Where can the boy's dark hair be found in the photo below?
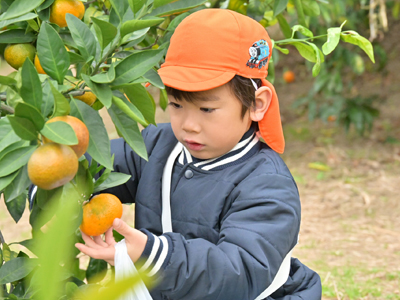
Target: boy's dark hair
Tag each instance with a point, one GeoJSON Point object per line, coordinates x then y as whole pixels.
{"type": "Point", "coordinates": [241, 87]}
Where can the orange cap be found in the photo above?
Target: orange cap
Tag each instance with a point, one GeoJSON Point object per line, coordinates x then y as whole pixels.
{"type": "Point", "coordinates": [210, 47]}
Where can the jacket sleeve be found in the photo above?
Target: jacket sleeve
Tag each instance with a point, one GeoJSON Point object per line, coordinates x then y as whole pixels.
{"type": "Point", "coordinates": [258, 231]}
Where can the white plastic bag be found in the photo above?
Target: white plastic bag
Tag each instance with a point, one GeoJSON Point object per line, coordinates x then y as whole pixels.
{"type": "Point", "coordinates": [124, 267]}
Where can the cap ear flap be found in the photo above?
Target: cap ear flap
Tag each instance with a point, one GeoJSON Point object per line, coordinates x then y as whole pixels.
{"type": "Point", "coordinates": [271, 125]}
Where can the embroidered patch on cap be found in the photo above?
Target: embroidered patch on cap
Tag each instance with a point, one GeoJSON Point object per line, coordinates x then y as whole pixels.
{"type": "Point", "coordinates": [259, 53]}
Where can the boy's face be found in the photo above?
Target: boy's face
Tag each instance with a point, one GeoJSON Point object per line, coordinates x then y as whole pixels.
{"type": "Point", "coordinates": [210, 126]}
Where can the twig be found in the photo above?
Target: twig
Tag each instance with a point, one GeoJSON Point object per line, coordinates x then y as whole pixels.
{"type": "Point", "coordinates": [2, 238]}
{"type": "Point", "coordinates": [89, 2]}
{"type": "Point", "coordinates": [7, 108]}
{"type": "Point", "coordinates": [372, 20]}
{"type": "Point", "coordinates": [77, 93]}
{"type": "Point", "coordinates": [148, 47]}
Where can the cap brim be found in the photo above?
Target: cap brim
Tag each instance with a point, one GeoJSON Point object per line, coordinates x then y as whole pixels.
{"type": "Point", "coordinates": [193, 79]}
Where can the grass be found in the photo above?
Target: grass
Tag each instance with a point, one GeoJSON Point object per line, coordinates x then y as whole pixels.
{"type": "Point", "coordinates": [357, 282]}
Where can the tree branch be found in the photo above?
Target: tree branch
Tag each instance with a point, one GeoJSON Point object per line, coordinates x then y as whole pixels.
{"type": "Point", "coordinates": [7, 108]}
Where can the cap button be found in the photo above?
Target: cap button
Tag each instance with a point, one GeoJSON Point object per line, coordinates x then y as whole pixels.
{"type": "Point", "coordinates": [189, 174]}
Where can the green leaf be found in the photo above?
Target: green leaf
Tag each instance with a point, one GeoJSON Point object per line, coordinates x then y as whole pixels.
{"type": "Point", "coordinates": [136, 5]}
{"type": "Point", "coordinates": [7, 134]}
{"type": "Point", "coordinates": [303, 30]}
{"type": "Point", "coordinates": [16, 207]}
{"type": "Point", "coordinates": [19, 8]}
{"type": "Point", "coordinates": [311, 8]}
{"type": "Point", "coordinates": [82, 36]}
{"type": "Point", "coordinates": [129, 130]}
{"type": "Point", "coordinates": [120, 7]}
{"type": "Point", "coordinates": [102, 91]}
{"type": "Point", "coordinates": [133, 25]}
{"type": "Point", "coordinates": [27, 111]}
{"type": "Point", "coordinates": [14, 146]}
{"type": "Point", "coordinates": [45, 5]}
{"type": "Point", "coordinates": [300, 12]}
{"type": "Point", "coordinates": [99, 143]}
{"type": "Point", "coordinates": [106, 77]}
{"type": "Point", "coordinates": [52, 54]}
{"type": "Point", "coordinates": [96, 270]}
{"type": "Point", "coordinates": [24, 128]}
{"type": "Point", "coordinates": [14, 160]}
{"type": "Point", "coordinates": [18, 186]}
{"type": "Point", "coordinates": [130, 110]}
{"type": "Point", "coordinates": [16, 269]}
{"type": "Point", "coordinates": [75, 58]}
{"type": "Point", "coordinates": [139, 96]}
{"type": "Point", "coordinates": [6, 180]}
{"type": "Point", "coordinates": [279, 6]}
{"type": "Point", "coordinates": [84, 180]}
{"type": "Point", "coordinates": [28, 16]}
{"type": "Point", "coordinates": [8, 81]}
{"type": "Point", "coordinates": [52, 254]}
{"type": "Point", "coordinates": [163, 99]}
{"type": "Point", "coordinates": [105, 31]}
{"type": "Point", "coordinates": [136, 65]}
{"type": "Point", "coordinates": [306, 51]}
{"type": "Point", "coordinates": [283, 50]}
{"type": "Point", "coordinates": [319, 59]}
{"type": "Point", "coordinates": [33, 25]}
{"type": "Point", "coordinates": [176, 7]}
{"type": "Point", "coordinates": [332, 41]}
{"type": "Point", "coordinates": [61, 104]}
{"type": "Point", "coordinates": [354, 38]}
{"type": "Point", "coordinates": [48, 99]}
{"type": "Point", "coordinates": [60, 132]}
{"type": "Point", "coordinates": [155, 79]}
{"type": "Point", "coordinates": [16, 36]}
{"type": "Point", "coordinates": [31, 88]}
{"type": "Point", "coordinates": [113, 179]}
{"type": "Point", "coordinates": [284, 26]}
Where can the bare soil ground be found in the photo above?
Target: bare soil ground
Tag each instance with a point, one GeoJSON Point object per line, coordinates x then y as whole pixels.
{"type": "Point", "coordinates": [350, 214]}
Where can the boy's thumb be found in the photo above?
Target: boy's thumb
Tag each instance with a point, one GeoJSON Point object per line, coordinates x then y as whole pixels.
{"type": "Point", "coordinates": [119, 225]}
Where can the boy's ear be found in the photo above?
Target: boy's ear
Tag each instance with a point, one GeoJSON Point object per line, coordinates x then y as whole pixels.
{"type": "Point", "coordinates": [263, 100]}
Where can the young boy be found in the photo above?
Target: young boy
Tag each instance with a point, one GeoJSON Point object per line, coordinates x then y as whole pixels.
{"type": "Point", "coordinates": [217, 211]}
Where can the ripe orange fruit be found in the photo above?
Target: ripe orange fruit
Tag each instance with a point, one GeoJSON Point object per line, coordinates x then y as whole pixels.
{"type": "Point", "coordinates": [52, 165]}
{"type": "Point", "coordinates": [88, 97]}
{"type": "Point", "coordinates": [38, 66]}
{"type": "Point", "coordinates": [16, 54]}
{"type": "Point", "coordinates": [289, 76]}
{"type": "Point", "coordinates": [60, 8]}
{"type": "Point", "coordinates": [81, 131]}
{"type": "Point", "coordinates": [99, 214]}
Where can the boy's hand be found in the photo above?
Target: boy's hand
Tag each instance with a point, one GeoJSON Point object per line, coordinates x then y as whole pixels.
{"type": "Point", "coordinates": [97, 248]}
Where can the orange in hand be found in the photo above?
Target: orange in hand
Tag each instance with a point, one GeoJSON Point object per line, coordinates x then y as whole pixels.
{"type": "Point", "coordinates": [99, 214]}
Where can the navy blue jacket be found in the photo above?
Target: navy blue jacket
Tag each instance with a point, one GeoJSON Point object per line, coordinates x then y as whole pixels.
{"type": "Point", "coordinates": [233, 224]}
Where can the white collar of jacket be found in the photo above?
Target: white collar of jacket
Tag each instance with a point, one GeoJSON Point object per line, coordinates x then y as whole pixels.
{"type": "Point", "coordinates": [243, 149]}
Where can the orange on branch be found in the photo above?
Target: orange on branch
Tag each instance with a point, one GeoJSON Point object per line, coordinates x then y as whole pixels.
{"type": "Point", "coordinates": [16, 54]}
{"type": "Point", "coordinates": [289, 76]}
{"type": "Point", "coordinates": [60, 8]}
{"type": "Point", "coordinates": [81, 131]}
{"type": "Point", "coordinates": [88, 97]}
{"type": "Point", "coordinates": [52, 165]}
{"type": "Point", "coordinates": [99, 214]}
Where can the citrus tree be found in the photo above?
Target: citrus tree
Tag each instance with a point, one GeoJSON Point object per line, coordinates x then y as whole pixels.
{"type": "Point", "coordinates": [71, 59]}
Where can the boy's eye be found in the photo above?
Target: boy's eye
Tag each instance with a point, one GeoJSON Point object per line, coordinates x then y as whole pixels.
{"type": "Point", "coordinates": [174, 105]}
{"type": "Point", "coordinates": [207, 110]}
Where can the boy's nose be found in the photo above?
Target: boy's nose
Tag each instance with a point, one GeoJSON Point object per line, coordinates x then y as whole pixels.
{"type": "Point", "coordinates": [190, 124]}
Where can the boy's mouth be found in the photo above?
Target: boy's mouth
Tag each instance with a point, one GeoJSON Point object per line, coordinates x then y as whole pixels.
{"type": "Point", "coordinates": [192, 145]}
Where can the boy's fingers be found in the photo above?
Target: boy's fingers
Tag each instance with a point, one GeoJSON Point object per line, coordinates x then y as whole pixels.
{"type": "Point", "coordinates": [89, 242]}
{"type": "Point", "coordinates": [110, 237]}
{"type": "Point", "coordinates": [122, 228]}
{"type": "Point", "coordinates": [106, 254]}
{"type": "Point", "coordinates": [99, 241]}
